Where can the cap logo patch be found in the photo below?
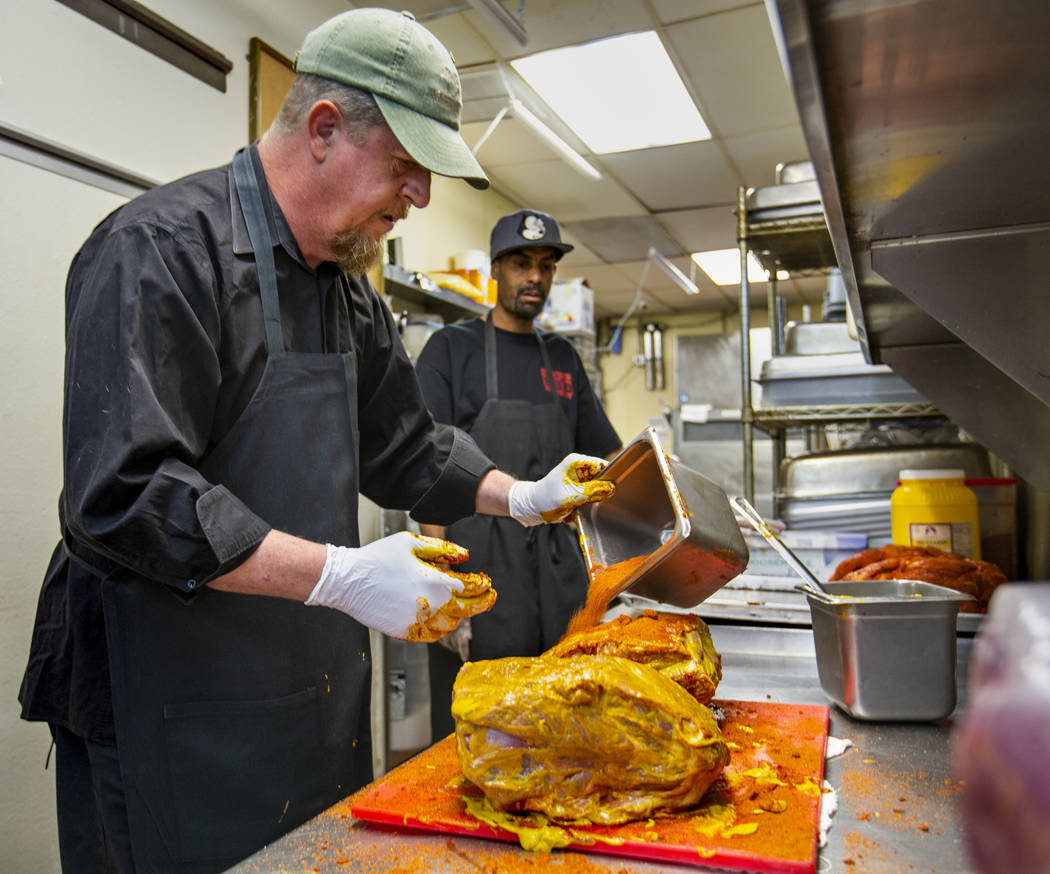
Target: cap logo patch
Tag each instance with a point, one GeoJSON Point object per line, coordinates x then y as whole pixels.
{"type": "Point", "coordinates": [533, 228]}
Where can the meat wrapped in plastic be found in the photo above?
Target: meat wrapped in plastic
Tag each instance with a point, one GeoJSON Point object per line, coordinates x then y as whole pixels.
{"type": "Point", "coordinates": [1001, 741]}
{"type": "Point", "coordinates": [593, 738]}
{"type": "Point", "coordinates": [678, 645]}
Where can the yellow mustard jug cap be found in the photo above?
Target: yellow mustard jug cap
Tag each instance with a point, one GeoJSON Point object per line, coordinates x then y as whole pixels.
{"type": "Point", "coordinates": [942, 473]}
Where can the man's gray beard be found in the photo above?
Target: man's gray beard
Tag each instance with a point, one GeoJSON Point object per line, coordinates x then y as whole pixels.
{"type": "Point", "coordinates": [355, 252]}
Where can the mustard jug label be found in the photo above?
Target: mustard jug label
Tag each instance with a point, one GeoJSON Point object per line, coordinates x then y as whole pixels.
{"type": "Point", "coordinates": [950, 537]}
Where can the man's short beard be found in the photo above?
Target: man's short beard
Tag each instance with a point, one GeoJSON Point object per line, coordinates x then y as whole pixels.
{"type": "Point", "coordinates": [355, 252]}
{"type": "Point", "coordinates": [527, 310]}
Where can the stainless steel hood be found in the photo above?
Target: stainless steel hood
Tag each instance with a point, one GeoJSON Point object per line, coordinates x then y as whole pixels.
{"type": "Point", "coordinates": [928, 122]}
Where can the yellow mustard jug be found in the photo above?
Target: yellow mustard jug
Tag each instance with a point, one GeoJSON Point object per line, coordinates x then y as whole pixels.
{"type": "Point", "coordinates": [936, 508]}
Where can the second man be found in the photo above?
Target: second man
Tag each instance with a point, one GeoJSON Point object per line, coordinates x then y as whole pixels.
{"type": "Point", "coordinates": [524, 396]}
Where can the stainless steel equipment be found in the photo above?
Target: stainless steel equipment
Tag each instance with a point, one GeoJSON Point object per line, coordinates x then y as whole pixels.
{"type": "Point", "coordinates": [809, 582]}
{"type": "Point", "coordinates": [707, 413]}
{"type": "Point", "coordinates": [832, 378]}
{"type": "Point", "coordinates": [849, 489]}
{"type": "Point", "coordinates": [927, 122]}
{"type": "Point", "coordinates": [886, 649]}
{"type": "Point", "coordinates": [679, 520]}
{"type": "Point", "coordinates": [818, 338]}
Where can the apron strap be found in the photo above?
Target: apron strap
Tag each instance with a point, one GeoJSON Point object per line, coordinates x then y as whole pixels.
{"type": "Point", "coordinates": [262, 243]}
{"type": "Point", "coordinates": [491, 374]}
{"type": "Point", "coordinates": [492, 371]}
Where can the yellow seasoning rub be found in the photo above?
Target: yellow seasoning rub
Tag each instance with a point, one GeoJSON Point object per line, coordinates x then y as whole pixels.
{"type": "Point", "coordinates": [808, 787]}
{"type": "Point", "coordinates": [595, 738]}
{"type": "Point", "coordinates": [580, 475]}
{"type": "Point", "coordinates": [476, 596]}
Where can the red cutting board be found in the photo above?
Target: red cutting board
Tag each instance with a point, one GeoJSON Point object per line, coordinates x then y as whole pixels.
{"type": "Point", "coordinates": [773, 782]}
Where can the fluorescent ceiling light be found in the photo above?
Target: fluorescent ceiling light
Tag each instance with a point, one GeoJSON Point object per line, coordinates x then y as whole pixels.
{"type": "Point", "coordinates": [498, 15]}
{"type": "Point", "coordinates": [616, 94]}
{"type": "Point", "coordinates": [523, 114]}
{"type": "Point", "coordinates": [681, 280]}
{"type": "Point", "coordinates": [723, 266]}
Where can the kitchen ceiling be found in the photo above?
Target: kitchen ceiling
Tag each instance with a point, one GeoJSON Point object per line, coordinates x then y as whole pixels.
{"type": "Point", "coordinates": [679, 198]}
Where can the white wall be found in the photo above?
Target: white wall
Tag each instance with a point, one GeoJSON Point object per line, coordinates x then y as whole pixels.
{"type": "Point", "coordinates": [66, 79]}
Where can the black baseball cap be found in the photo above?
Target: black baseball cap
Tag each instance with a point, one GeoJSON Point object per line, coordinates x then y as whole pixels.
{"type": "Point", "coordinates": [526, 229]}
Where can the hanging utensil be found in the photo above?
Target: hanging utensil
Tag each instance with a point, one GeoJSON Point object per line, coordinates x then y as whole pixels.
{"type": "Point", "coordinates": [811, 583]}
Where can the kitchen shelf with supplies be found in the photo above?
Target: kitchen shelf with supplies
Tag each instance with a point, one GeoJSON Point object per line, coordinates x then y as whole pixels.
{"type": "Point", "coordinates": [779, 417]}
{"type": "Point", "coordinates": [416, 288]}
{"type": "Point", "coordinates": [784, 227]}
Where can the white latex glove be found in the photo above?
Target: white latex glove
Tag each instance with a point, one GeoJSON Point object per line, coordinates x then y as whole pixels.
{"type": "Point", "coordinates": [458, 640]}
{"type": "Point", "coordinates": [554, 498]}
{"type": "Point", "coordinates": [393, 586]}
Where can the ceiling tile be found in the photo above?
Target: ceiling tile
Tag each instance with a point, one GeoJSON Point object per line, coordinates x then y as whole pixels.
{"type": "Point", "coordinates": [668, 11]}
{"type": "Point", "coordinates": [679, 198]}
{"type": "Point", "coordinates": [701, 230]}
{"type": "Point", "coordinates": [480, 112]}
{"type": "Point", "coordinates": [734, 67]}
{"type": "Point", "coordinates": [510, 143]}
{"type": "Point", "coordinates": [810, 289]}
{"type": "Point", "coordinates": [600, 276]}
{"type": "Point", "coordinates": [655, 277]}
{"type": "Point", "coordinates": [616, 303]}
{"type": "Point", "coordinates": [756, 155]}
{"type": "Point", "coordinates": [624, 238]}
{"type": "Point", "coordinates": [481, 81]}
{"type": "Point", "coordinates": [555, 23]}
{"type": "Point", "coordinates": [659, 282]}
{"type": "Point", "coordinates": [674, 177]}
{"type": "Point", "coordinates": [580, 255]}
{"type": "Point", "coordinates": [455, 32]}
{"type": "Point", "coordinates": [554, 187]}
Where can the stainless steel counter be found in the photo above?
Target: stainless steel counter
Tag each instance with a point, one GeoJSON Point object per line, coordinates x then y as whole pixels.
{"type": "Point", "coordinates": [895, 793]}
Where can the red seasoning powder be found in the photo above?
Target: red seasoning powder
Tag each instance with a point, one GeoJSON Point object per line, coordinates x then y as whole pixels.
{"type": "Point", "coordinates": [605, 585]}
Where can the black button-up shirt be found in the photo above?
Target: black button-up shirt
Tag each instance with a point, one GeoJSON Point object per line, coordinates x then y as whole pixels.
{"type": "Point", "coordinates": [165, 346]}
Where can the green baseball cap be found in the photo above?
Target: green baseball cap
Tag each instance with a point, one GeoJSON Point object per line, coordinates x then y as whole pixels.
{"type": "Point", "coordinates": [411, 75]}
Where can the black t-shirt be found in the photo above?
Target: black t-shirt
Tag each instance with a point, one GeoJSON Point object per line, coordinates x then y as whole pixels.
{"type": "Point", "coordinates": [451, 370]}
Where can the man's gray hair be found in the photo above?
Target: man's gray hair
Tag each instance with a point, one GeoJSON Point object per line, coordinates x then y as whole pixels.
{"type": "Point", "coordinates": [358, 108]}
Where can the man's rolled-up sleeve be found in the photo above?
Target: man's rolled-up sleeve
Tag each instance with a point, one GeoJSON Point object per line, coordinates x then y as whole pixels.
{"type": "Point", "coordinates": [453, 495]}
{"type": "Point", "coordinates": [142, 375]}
{"type": "Point", "coordinates": [408, 461]}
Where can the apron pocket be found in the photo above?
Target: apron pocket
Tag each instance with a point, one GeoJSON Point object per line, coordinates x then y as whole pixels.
{"type": "Point", "coordinates": [258, 758]}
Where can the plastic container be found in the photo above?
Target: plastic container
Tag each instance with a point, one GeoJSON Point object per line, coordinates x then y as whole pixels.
{"type": "Point", "coordinates": [935, 508]}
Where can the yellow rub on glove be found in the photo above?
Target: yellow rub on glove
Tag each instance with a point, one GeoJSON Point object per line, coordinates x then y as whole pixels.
{"type": "Point", "coordinates": [395, 585]}
{"type": "Point", "coordinates": [555, 497]}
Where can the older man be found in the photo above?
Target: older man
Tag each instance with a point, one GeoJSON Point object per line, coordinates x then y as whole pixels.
{"type": "Point", "coordinates": [232, 383]}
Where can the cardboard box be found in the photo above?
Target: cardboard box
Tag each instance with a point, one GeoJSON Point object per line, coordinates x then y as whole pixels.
{"type": "Point", "coordinates": [570, 307]}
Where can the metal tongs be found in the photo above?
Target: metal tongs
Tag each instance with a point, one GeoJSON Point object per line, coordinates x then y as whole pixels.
{"type": "Point", "coordinates": [810, 582]}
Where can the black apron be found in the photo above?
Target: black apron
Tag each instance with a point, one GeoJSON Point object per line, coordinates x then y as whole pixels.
{"type": "Point", "coordinates": [239, 717]}
{"type": "Point", "coordinates": [539, 571]}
